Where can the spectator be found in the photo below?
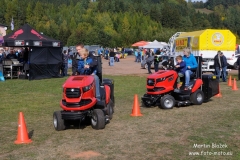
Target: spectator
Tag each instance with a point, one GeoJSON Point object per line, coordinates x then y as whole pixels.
{"type": "Point", "coordinates": [136, 55]}
{"type": "Point", "coordinates": [2, 56]}
{"type": "Point", "coordinates": [149, 60]}
{"type": "Point", "coordinates": [111, 59]}
{"type": "Point", "coordinates": [220, 65]}
{"type": "Point", "coordinates": [11, 55]}
{"type": "Point", "coordinates": [70, 53]}
{"type": "Point", "coordinates": [106, 53]}
{"type": "Point", "coordinates": [65, 58]}
{"type": "Point", "coordinates": [224, 67]}
{"type": "Point", "coordinates": [238, 64]}
{"type": "Point", "coordinates": [139, 56]}
{"type": "Point", "coordinates": [156, 60]}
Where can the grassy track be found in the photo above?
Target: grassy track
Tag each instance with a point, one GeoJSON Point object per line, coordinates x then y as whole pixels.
{"type": "Point", "coordinates": [158, 134]}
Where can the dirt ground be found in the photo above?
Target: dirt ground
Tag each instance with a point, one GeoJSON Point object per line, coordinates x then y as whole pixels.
{"type": "Point", "coordinates": [127, 66]}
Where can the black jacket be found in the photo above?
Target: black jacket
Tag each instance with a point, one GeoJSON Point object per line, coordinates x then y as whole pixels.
{"type": "Point", "coordinates": [223, 61]}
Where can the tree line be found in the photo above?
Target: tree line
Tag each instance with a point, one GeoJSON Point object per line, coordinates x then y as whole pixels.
{"type": "Point", "coordinates": [119, 22]}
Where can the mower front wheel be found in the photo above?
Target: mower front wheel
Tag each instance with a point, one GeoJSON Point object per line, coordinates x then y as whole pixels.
{"type": "Point", "coordinates": [58, 122]}
{"type": "Point", "coordinates": [197, 97]}
{"type": "Point", "coordinates": [167, 102]}
{"type": "Point", "coordinates": [98, 119]}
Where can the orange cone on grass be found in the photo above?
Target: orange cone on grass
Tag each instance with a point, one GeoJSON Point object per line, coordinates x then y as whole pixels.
{"type": "Point", "coordinates": [230, 81]}
{"type": "Point", "coordinates": [234, 86]}
{"type": "Point", "coordinates": [219, 93]}
{"type": "Point", "coordinates": [136, 108]}
{"type": "Point", "coordinates": [22, 136]}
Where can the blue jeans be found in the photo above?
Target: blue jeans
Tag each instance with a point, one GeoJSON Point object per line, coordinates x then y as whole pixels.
{"type": "Point", "coordinates": [187, 77]}
{"type": "Point", "coordinates": [97, 83]}
{"type": "Point", "coordinates": [149, 67]}
{"type": "Point", "coordinates": [222, 72]}
{"type": "Point", "coordinates": [65, 69]}
{"type": "Point", "coordinates": [111, 61]}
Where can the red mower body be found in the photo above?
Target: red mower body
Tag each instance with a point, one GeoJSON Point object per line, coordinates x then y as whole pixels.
{"type": "Point", "coordinates": [161, 82]}
{"type": "Point", "coordinates": [162, 88]}
{"type": "Point", "coordinates": [79, 102]}
{"type": "Point", "coordinates": [78, 93]}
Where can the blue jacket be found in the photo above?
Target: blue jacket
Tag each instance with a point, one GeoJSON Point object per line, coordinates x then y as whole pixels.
{"type": "Point", "coordinates": [81, 69]}
{"type": "Point", "coordinates": [190, 61]}
{"type": "Point", "coordinates": [182, 67]}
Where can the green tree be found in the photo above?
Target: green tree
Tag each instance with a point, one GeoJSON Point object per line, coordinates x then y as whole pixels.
{"type": "Point", "coordinates": [3, 7]}
{"type": "Point", "coordinates": [170, 16]}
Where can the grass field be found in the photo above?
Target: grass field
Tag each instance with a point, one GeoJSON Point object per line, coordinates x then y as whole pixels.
{"type": "Point", "coordinates": [158, 134]}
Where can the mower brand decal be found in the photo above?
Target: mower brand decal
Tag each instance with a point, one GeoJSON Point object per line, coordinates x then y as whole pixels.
{"type": "Point", "coordinates": [217, 39]}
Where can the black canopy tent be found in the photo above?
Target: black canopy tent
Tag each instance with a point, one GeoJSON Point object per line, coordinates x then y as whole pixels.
{"type": "Point", "coordinates": [45, 54]}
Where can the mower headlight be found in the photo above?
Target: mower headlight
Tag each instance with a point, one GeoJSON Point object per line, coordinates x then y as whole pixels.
{"type": "Point", "coordinates": [161, 79]}
{"type": "Point", "coordinates": [150, 82]}
{"type": "Point", "coordinates": [87, 88]}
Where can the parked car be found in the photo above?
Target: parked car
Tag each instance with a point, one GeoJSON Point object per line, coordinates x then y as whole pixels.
{"type": "Point", "coordinates": [232, 62]}
{"type": "Point", "coordinates": [129, 51]}
{"type": "Point", "coordinates": [144, 63]}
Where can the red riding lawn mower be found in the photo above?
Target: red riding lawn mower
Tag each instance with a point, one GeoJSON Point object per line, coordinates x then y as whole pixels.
{"type": "Point", "coordinates": [162, 92]}
{"type": "Point", "coordinates": [79, 103]}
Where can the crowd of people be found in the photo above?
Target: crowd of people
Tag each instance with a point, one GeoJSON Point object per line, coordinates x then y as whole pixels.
{"type": "Point", "coordinates": [21, 54]}
{"type": "Point", "coordinates": [111, 54]}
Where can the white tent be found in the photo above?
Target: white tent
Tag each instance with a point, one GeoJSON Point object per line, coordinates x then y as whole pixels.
{"type": "Point", "coordinates": [155, 44]}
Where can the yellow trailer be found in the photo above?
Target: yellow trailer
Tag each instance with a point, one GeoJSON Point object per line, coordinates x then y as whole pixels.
{"type": "Point", "coordinates": [206, 43]}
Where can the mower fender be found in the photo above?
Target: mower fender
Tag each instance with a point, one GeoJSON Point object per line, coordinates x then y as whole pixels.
{"type": "Point", "coordinates": [197, 85]}
{"type": "Point", "coordinates": [108, 93]}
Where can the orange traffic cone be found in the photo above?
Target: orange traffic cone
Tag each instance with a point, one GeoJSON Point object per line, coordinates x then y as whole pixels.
{"type": "Point", "coordinates": [219, 93]}
{"type": "Point", "coordinates": [136, 107]}
{"type": "Point", "coordinates": [234, 86]}
{"type": "Point", "coordinates": [22, 136]}
{"type": "Point", "coordinates": [230, 81]}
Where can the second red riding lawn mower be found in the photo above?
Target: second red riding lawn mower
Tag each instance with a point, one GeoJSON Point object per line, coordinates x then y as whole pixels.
{"type": "Point", "coordinates": [162, 92]}
{"type": "Point", "coordinates": [79, 102]}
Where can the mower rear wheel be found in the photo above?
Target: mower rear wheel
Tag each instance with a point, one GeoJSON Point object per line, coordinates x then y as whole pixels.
{"type": "Point", "coordinates": [197, 97]}
{"type": "Point", "coordinates": [58, 122]}
{"type": "Point", "coordinates": [167, 102]}
{"type": "Point", "coordinates": [110, 109]}
{"type": "Point", "coordinates": [98, 119]}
